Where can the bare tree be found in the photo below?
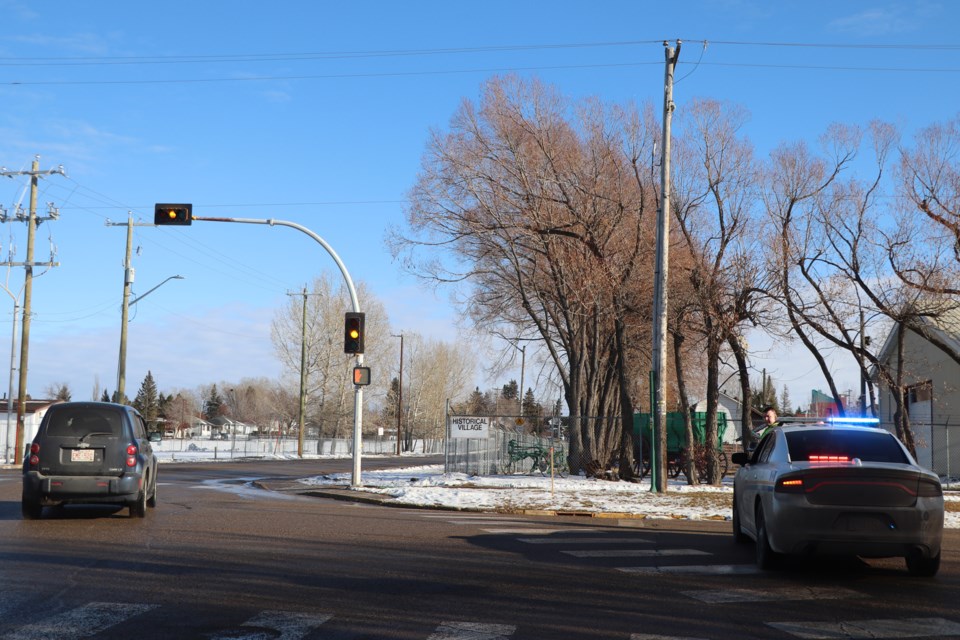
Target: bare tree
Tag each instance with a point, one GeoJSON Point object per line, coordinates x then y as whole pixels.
{"type": "Point", "coordinates": [800, 261]}
{"type": "Point", "coordinates": [715, 214]}
{"type": "Point", "coordinates": [544, 214]}
{"type": "Point", "coordinates": [329, 383]}
{"type": "Point", "coordinates": [434, 372]}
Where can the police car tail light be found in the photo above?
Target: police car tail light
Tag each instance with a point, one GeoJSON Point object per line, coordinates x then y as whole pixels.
{"type": "Point", "coordinates": [929, 489]}
{"type": "Point", "coordinates": [789, 485]}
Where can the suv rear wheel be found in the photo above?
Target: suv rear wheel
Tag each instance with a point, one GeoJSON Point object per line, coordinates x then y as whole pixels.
{"type": "Point", "coordinates": [152, 500]}
{"type": "Point", "coordinates": [138, 509]}
{"type": "Point", "coordinates": [31, 510]}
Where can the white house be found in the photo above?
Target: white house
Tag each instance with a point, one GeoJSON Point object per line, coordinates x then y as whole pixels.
{"type": "Point", "coordinates": [33, 412]}
{"type": "Point", "coordinates": [729, 407]}
{"type": "Point", "coordinates": [931, 379]}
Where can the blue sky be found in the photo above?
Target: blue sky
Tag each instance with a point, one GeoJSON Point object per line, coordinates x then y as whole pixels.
{"type": "Point", "coordinates": [318, 113]}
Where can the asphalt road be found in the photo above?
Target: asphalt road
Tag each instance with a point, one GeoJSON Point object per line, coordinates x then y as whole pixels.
{"type": "Point", "coordinates": [219, 558]}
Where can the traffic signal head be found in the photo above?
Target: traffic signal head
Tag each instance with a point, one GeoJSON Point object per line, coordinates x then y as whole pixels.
{"type": "Point", "coordinates": [173, 214]}
{"type": "Point", "coordinates": [353, 333]}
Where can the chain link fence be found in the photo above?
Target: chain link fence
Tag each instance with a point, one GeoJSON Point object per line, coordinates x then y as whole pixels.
{"type": "Point", "coordinates": [938, 447]}
{"type": "Point", "coordinates": [508, 445]}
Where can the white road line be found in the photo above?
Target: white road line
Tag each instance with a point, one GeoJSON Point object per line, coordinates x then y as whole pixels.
{"type": "Point", "coordinates": [634, 553]}
{"type": "Point", "coordinates": [764, 595]}
{"type": "Point", "coordinates": [594, 540]}
{"type": "Point", "coordinates": [532, 532]}
{"type": "Point", "coordinates": [905, 628]}
{"type": "Point", "coordinates": [472, 631]}
{"type": "Point", "coordinates": [477, 518]}
{"type": "Point", "coordinates": [290, 625]}
{"type": "Point", "coordinates": [704, 569]}
{"type": "Point", "coordinates": [487, 521]}
{"type": "Point", "coordinates": [81, 622]}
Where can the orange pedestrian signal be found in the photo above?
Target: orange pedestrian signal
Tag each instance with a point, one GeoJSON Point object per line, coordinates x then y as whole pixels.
{"type": "Point", "coordinates": [353, 333]}
{"type": "Point", "coordinates": [173, 214]}
{"type": "Point", "coordinates": [361, 376]}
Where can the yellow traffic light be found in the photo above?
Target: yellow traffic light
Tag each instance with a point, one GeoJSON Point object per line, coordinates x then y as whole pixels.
{"type": "Point", "coordinates": [173, 214]}
{"type": "Point", "coordinates": [353, 332]}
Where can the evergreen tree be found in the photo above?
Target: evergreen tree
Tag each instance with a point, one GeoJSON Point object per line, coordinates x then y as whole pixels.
{"type": "Point", "coordinates": [388, 414]}
{"type": "Point", "coordinates": [213, 405]}
{"type": "Point", "coordinates": [510, 391]}
{"type": "Point", "coordinates": [477, 403]}
{"type": "Point", "coordinates": [147, 401]}
{"type": "Point", "coordinates": [785, 401]}
{"type": "Point", "coordinates": [530, 406]}
{"type": "Point", "coordinates": [105, 397]}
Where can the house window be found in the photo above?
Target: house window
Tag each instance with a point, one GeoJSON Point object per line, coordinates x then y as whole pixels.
{"type": "Point", "coordinates": [922, 392]}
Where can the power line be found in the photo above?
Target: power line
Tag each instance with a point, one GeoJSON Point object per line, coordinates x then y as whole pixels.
{"type": "Point", "coordinates": [326, 76]}
{"type": "Point", "coordinates": [287, 57]}
{"type": "Point", "coordinates": [397, 53]}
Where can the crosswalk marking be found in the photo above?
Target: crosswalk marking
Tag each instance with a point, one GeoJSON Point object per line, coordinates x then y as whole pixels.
{"type": "Point", "coordinates": [904, 628]}
{"type": "Point", "coordinates": [472, 631]}
{"type": "Point", "coordinates": [634, 553]}
{"type": "Point", "coordinates": [93, 618]}
{"type": "Point", "coordinates": [290, 625]}
{"type": "Point", "coordinates": [764, 595]}
{"type": "Point", "coordinates": [584, 540]}
{"type": "Point", "coordinates": [703, 569]}
{"type": "Point", "coordinates": [81, 622]}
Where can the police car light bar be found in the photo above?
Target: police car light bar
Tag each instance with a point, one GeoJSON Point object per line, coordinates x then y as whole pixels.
{"type": "Point", "coordinates": [846, 420]}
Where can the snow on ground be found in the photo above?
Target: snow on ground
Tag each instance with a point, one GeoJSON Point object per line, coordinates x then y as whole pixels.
{"type": "Point", "coordinates": [428, 486]}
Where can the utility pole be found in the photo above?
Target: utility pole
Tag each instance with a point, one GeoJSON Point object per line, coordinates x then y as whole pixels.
{"type": "Point", "coordinates": [128, 278]}
{"type": "Point", "coordinates": [32, 221]}
{"type": "Point", "coordinates": [399, 393]}
{"type": "Point", "coordinates": [659, 467]}
{"type": "Point", "coordinates": [302, 418]}
{"type": "Point", "coordinates": [303, 371]}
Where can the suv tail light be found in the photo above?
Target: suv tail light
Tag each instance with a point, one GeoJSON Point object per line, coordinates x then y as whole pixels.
{"type": "Point", "coordinates": [132, 452]}
{"type": "Point", "coordinates": [34, 458]}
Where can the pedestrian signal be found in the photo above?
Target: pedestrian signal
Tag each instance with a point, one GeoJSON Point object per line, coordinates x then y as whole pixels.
{"type": "Point", "coordinates": [361, 376]}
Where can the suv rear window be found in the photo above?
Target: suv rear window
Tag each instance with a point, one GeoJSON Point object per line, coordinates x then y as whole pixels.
{"type": "Point", "coordinates": [869, 446]}
{"type": "Point", "coordinates": [82, 421]}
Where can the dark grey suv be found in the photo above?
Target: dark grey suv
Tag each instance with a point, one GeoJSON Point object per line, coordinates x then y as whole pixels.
{"type": "Point", "coordinates": [90, 452]}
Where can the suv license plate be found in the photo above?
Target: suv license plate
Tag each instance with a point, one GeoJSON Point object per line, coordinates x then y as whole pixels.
{"type": "Point", "coordinates": [81, 455]}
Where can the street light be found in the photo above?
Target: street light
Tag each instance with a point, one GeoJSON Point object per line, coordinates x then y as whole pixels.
{"type": "Point", "coordinates": [124, 321]}
{"type": "Point", "coordinates": [399, 391]}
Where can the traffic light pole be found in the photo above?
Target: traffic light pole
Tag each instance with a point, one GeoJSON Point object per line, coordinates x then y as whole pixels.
{"type": "Point", "coordinates": [355, 302]}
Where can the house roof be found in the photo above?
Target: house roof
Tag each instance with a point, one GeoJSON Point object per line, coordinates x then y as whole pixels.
{"type": "Point", "coordinates": [944, 324]}
{"type": "Point", "coordinates": [29, 406]}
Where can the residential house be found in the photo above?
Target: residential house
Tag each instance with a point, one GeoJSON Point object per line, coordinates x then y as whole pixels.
{"type": "Point", "coordinates": [730, 409]}
{"type": "Point", "coordinates": [932, 384]}
{"type": "Point", "coordinates": [33, 412]}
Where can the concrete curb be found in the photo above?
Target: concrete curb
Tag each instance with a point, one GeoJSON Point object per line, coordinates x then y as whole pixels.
{"type": "Point", "coordinates": [641, 520]}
